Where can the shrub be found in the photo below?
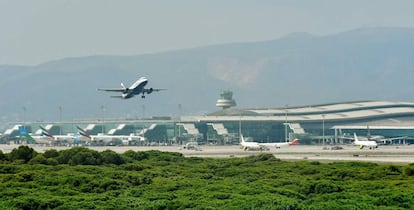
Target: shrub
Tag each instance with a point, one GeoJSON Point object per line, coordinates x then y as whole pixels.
{"type": "Point", "coordinates": [326, 187]}
{"type": "Point", "coordinates": [52, 162]}
{"type": "Point", "coordinates": [409, 171]}
{"type": "Point", "coordinates": [85, 158]}
{"type": "Point", "coordinates": [136, 155]}
{"type": "Point", "coordinates": [79, 156]}
{"type": "Point", "coordinates": [9, 169]}
{"type": "Point", "coordinates": [37, 203]}
{"type": "Point", "coordinates": [39, 159]}
{"type": "Point", "coordinates": [321, 187]}
{"type": "Point", "coordinates": [263, 157]}
{"type": "Point", "coordinates": [133, 167]}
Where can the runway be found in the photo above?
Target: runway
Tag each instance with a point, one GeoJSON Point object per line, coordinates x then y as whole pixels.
{"type": "Point", "coordinates": [383, 154]}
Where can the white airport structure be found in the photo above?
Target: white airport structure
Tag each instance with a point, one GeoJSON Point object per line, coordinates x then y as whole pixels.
{"type": "Point", "coordinates": [314, 124]}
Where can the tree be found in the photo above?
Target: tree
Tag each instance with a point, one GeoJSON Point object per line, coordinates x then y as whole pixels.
{"type": "Point", "coordinates": [51, 153]}
{"type": "Point", "coordinates": [72, 156]}
{"type": "Point", "coordinates": [2, 156]}
{"type": "Point", "coordinates": [111, 157]}
{"type": "Point", "coordinates": [24, 153]}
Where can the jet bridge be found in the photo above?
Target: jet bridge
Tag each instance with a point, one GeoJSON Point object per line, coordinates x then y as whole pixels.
{"type": "Point", "coordinates": [189, 128]}
{"type": "Point", "coordinates": [219, 134]}
{"type": "Point", "coordinates": [219, 128]}
{"type": "Point", "coordinates": [145, 130]}
{"type": "Point", "coordinates": [94, 129]}
{"type": "Point", "coordinates": [296, 128]}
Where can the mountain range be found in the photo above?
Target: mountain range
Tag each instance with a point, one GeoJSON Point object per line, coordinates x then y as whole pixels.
{"type": "Point", "coordinates": [299, 69]}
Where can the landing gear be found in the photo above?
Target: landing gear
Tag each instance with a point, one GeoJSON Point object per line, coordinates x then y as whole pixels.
{"type": "Point", "coordinates": [142, 96]}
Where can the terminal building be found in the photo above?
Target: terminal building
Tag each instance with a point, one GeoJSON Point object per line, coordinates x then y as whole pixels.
{"type": "Point", "coordinates": [318, 124]}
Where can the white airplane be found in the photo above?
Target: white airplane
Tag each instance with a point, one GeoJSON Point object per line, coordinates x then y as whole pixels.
{"type": "Point", "coordinates": [366, 143]}
{"type": "Point", "coordinates": [278, 145]}
{"type": "Point", "coordinates": [249, 145]}
{"type": "Point", "coordinates": [110, 139]}
{"type": "Point", "coordinates": [63, 139]}
{"type": "Point", "coordinates": [381, 139]}
{"type": "Point", "coordinates": [135, 89]}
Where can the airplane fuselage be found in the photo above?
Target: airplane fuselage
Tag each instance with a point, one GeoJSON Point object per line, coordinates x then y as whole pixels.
{"type": "Point", "coordinates": [135, 89]}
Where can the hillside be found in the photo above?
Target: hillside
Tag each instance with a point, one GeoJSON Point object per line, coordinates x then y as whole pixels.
{"type": "Point", "coordinates": [299, 69]}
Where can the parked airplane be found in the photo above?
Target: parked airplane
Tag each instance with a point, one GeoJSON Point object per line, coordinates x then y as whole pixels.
{"type": "Point", "coordinates": [278, 145]}
{"type": "Point", "coordinates": [62, 139]}
{"type": "Point", "coordinates": [377, 138]}
{"type": "Point", "coordinates": [249, 145]}
{"type": "Point", "coordinates": [381, 139]}
{"type": "Point", "coordinates": [367, 143]}
{"type": "Point", "coordinates": [102, 139]}
{"type": "Point", "coordinates": [135, 89]}
{"type": "Point", "coordinates": [33, 139]}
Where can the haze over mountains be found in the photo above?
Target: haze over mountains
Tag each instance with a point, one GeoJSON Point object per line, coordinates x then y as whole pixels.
{"type": "Point", "coordinates": [295, 70]}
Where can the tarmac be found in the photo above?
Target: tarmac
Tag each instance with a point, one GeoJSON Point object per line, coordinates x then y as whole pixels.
{"type": "Point", "coordinates": [402, 154]}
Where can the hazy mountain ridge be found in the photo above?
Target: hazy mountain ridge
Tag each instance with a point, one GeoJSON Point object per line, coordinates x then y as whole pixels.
{"type": "Point", "coordinates": [299, 69]}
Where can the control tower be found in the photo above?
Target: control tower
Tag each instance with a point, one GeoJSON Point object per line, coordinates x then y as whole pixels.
{"type": "Point", "coordinates": [226, 100]}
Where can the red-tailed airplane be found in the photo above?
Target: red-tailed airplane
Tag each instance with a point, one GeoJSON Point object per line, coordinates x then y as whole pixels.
{"type": "Point", "coordinates": [252, 145]}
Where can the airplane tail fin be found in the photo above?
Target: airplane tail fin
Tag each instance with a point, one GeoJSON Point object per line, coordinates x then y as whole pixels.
{"type": "Point", "coordinates": [46, 132]}
{"type": "Point", "coordinates": [242, 138]}
{"type": "Point", "coordinates": [355, 137]}
{"type": "Point", "coordinates": [294, 142]}
{"type": "Point", "coordinates": [24, 134]}
{"type": "Point", "coordinates": [83, 132]}
{"type": "Point", "coordinates": [22, 130]}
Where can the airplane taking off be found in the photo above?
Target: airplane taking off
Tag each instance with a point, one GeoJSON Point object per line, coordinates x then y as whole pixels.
{"type": "Point", "coordinates": [135, 89]}
{"type": "Point", "coordinates": [366, 143]}
{"type": "Point", "coordinates": [278, 145]}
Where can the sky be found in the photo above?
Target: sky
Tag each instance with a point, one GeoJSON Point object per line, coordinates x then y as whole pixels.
{"type": "Point", "coordinates": [34, 32]}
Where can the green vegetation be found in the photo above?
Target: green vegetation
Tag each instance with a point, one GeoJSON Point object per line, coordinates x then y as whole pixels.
{"type": "Point", "coordinates": [80, 178]}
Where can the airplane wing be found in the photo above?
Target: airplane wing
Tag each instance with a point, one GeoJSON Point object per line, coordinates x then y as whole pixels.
{"type": "Point", "coordinates": [112, 89]}
{"type": "Point", "coordinates": [150, 90]}
{"type": "Point", "coordinates": [158, 89]}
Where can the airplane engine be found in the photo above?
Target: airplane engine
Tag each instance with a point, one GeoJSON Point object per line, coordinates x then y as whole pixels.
{"type": "Point", "coordinates": [126, 90]}
{"type": "Point", "coordinates": [150, 90]}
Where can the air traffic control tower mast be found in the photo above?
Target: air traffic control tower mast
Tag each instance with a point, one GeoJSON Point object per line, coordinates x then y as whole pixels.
{"type": "Point", "coordinates": [226, 100]}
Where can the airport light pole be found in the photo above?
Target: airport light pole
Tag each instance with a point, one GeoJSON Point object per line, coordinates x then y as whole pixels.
{"type": "Point", "coordinates": [60, 120]}
{"type": "Point", "coordinates": [143, 111]}
{"type": "Point", "coordinates": [24, 115]}
{"type": "Point", "coordinates": [103, 118]}
{"type": "Point", "coordinates": [240, 132]}
{"type": "Point", "coordinates": [286, 123]}
{"type": "Point", "coordinates": [179, 110]}
{"type": "Point", "coordinates": [323, 129]}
